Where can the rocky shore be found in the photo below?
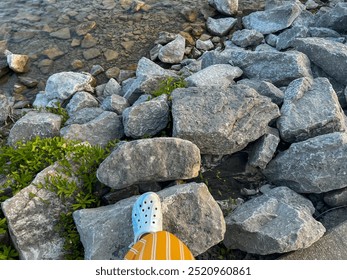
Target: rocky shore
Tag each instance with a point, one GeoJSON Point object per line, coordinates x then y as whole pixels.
{"type": "Point", "coordinates": [237, 123]}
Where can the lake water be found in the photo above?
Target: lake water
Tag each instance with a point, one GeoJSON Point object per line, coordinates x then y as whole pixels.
{"type": "Point", "coordinates": [63, 35]}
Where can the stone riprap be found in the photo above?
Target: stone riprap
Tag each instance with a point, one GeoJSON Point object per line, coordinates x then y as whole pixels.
{"type": "Point", "coordinates": [106, 232]}
{"type": "Point", "coordinates": [221, 121]}
{"type": "Point", "coordinates": [279, 221]}
{"type": "Point", "coordinates": [316, 165]}
{"type": "Point", "coordinates": [150, 160]}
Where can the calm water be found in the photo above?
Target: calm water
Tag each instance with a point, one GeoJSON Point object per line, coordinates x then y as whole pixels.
{"type": "Point", "coordinates": [120, 31]}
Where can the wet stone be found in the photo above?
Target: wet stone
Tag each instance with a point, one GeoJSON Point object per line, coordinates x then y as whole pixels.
{"type": "Point", "coordinates": [110, 55]}
{"type": "Point", "coordinates": [63, 33]}
{"type": "Point", "coordinates": [88, 41]}
{"type": "Point", "coordinates": [53, 53]}
{"type": "Point", "coordinates": [85, 27]}
{"type": "Point", "coordinates": [91, 53]}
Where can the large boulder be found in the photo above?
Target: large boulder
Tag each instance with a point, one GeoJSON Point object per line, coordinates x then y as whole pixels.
{"type": "Point", "coordinates": [328, 55]}
{"type": "Point", "coordinates": [147, 118]}
{"type": "Point", "coordinates": [219, 75]}
{"type": "Point", "coordinates": [273, 20]}
{"type": "Point", "coordinates": [310, 108]}
{"type": "Point", "coordinates": [332, 246]}
{"type": "Point", "coordinates": [189, 212]}
{"type": "Point", "coordinates": [221, 121]}
{"type": "Point", "coordinates": [44, 125]}
{"type": "Point", "coordinates": [278, 221]}
{"type": "Point", "coordinates": [32, 216]}
{"type": "Point", "coordinates": [335, 19]}
{"type": "Point", "coordinates": [106, 127]}
{"type": "Point", "coordinates": [316, 165]}
{"type": "Point", "coordinates": [63, 85]}
{"type": "Point", "coordinates": [279, 68]}
{"type": "Point", "coordinates": [150, 160]}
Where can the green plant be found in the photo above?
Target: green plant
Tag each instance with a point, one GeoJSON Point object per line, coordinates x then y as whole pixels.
{"type": "Point", "coordinates": [21, 164]}
{"type": "Point", "coordinates": [168, 85]}
{"type": "Point", "coordinates": [8, 253]}
{"type": "Point", "coordinates": [58, 110]}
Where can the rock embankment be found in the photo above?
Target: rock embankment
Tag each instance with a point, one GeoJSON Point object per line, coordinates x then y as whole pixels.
{"type": "Point", "coordinates": [260, 106]}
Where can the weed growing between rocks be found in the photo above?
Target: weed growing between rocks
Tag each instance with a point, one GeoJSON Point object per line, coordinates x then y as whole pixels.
{"type": "Point", "coordinates": [168, 85]}
{"type": "Point", "coordinates": [58, 110]}
{"type": "Point", "coordinates": [20, 165]}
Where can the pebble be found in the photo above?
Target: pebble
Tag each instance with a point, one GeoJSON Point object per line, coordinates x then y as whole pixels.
{"type": "Point", "coordinates": [91, 53]}
{"type": "Point", "coordinates": [85, 27]}
{"type": "Point", "coordinates": [96, 70]}
{"type": "Point", "coordinates": [45, 65]}
{"type": "Point", "coordinates": [88, 41]}
{"type": "Point", "coordinates": [110, 54]}
{"type": "Point", "coordinates": [127, 45]}
{"type": "Point", "coordinates": [112, 73]}
{"type": "Point", "coordinates": [77, 64]}
{"type": "Point", "coordinates": [53, 53]}
{"type": "Point", "coordinates": [28, 82]}
{"type": "Point", "coordinates": [63, 33]}
{"type": "Point", "coordinates": [189, 14]}
{"type": "Point", "coordinates": [204, 45]}
{"type": "Point", "coordinates": [17, 62]}
{"type": "Point", "coordinates": [75, 43]}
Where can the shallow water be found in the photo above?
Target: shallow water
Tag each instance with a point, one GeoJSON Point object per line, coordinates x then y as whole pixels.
{"type": "Point", "coordinates": [121, 35]}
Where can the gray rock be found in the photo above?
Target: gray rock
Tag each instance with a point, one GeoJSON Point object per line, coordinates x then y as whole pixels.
{"type": "Point", "coordinates": [150, 160]}
{"type": "Point", "coordinates": [272, 20]}
{"type": "Point", "coordinates": [17, 62]}
{"type": "Point", "coordinates": [271, 39]}
{"type": "Point", "coordinates": [331, 246]}
{"type": "Point", "coordinates": [336, 18]}
{"type": "Point", "coordinates": [221, 75]}
{"type": "Point", "coordinates": [112, 87]}
{"type": "Point", "coordinates": [173, 52]}
{"type": "Point", "coordinates": [313, 166]}
{"type": "Point", "coordinates": [143, 98]}
{"type": "Point", "coordinates": [265, 48]}
{"type": "Point", "coordinates": [63, 33]}
{"type": "Point", "coordinates": [84, 115]}
{"type": "Point", "coordinates": [115, 103]}
{"type": "Point", "coordinates": [221, 121]}
{"type": "Point", "coordinates": [225, 7]}
{"type": "Point", "coordinates": [144, 85]}
{"type": "Point", "coordinates": [323, 32]}
{"type": "Point", "coordinates": [328, 55]}
{"type": "Point", "coordinates": [279, 68]}
{"type": "Point", "coordinates": [305, 18]}
{"type": "Point", "coordinates": [286, 38]}
{"type": "Point", "coordinates": [63, 85]}
{"type": "Point", "coordinates": [204, 45]}
{"type": "Point", "coordinates": [80, 100]}
{"type": "Point", "coordinates": [32, 215]}
{"type": "Point", "coordinates": [336, 198]}
{"type": "Point", "coordinates": [44, 125]}
{"type": "Point", "coordinates": [215, 57]}
{"type": "Point", "coordinates": [99, 131]}
{"type": "Point", "coordinates": [220, 26]}
{"type": "Point", "coordinates": [246, 38]}
{"type": "Point", "coordinates": [264, 149]}
{"type": "Point", "coordinates": [5, 108]}
{"type": "Point", "coordinates": [310, 108]}
{"type": "Point", "coordinates": [189, 212]}
{"type": "Point", "coordinates": [147, 118]}
{"type": "Point", "coordinates": [154, 52]}
{"type": "Point", "coordinates": [146, 68]}
{"type": "Point", "coordinates": [279, 221]}
{"type": "Point", "coordinates": [274, 93]}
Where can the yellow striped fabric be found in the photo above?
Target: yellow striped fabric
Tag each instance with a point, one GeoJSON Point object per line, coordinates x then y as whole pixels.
{"type": "Point", "coordinates": [160, 245]}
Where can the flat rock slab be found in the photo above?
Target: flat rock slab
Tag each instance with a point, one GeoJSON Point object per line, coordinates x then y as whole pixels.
{"type": "Point", "coordinates": [316, 165]}
{"type": "Point", "coordinates": [328, 55]}
{"type": "Point", "coordinates": [332, 246]}
{"type": "Point", "coordinates": [279, 68]}
{"type": "Point", "coordinates": [278, 221]}
{"type": "Point", "coordinates": [189, 212]}
{"type": "Point", "coordinates": [150, 160]}
{"type": "Point", "coordinates": [44, 125]}
{"type": "Point", "coordinates": [221, 121]}
{"type": "Point", "coordinates": [310, 108]}
{"type": "Point", "coordinates": [272, 20]}
{"type": "Point", "coordinates": [104, 128]}
{"type": "Point", "coordinates": [63, 85]}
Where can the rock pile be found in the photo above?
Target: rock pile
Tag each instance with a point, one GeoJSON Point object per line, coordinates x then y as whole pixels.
{"type": "Point", "coordinates": [273, 90]}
